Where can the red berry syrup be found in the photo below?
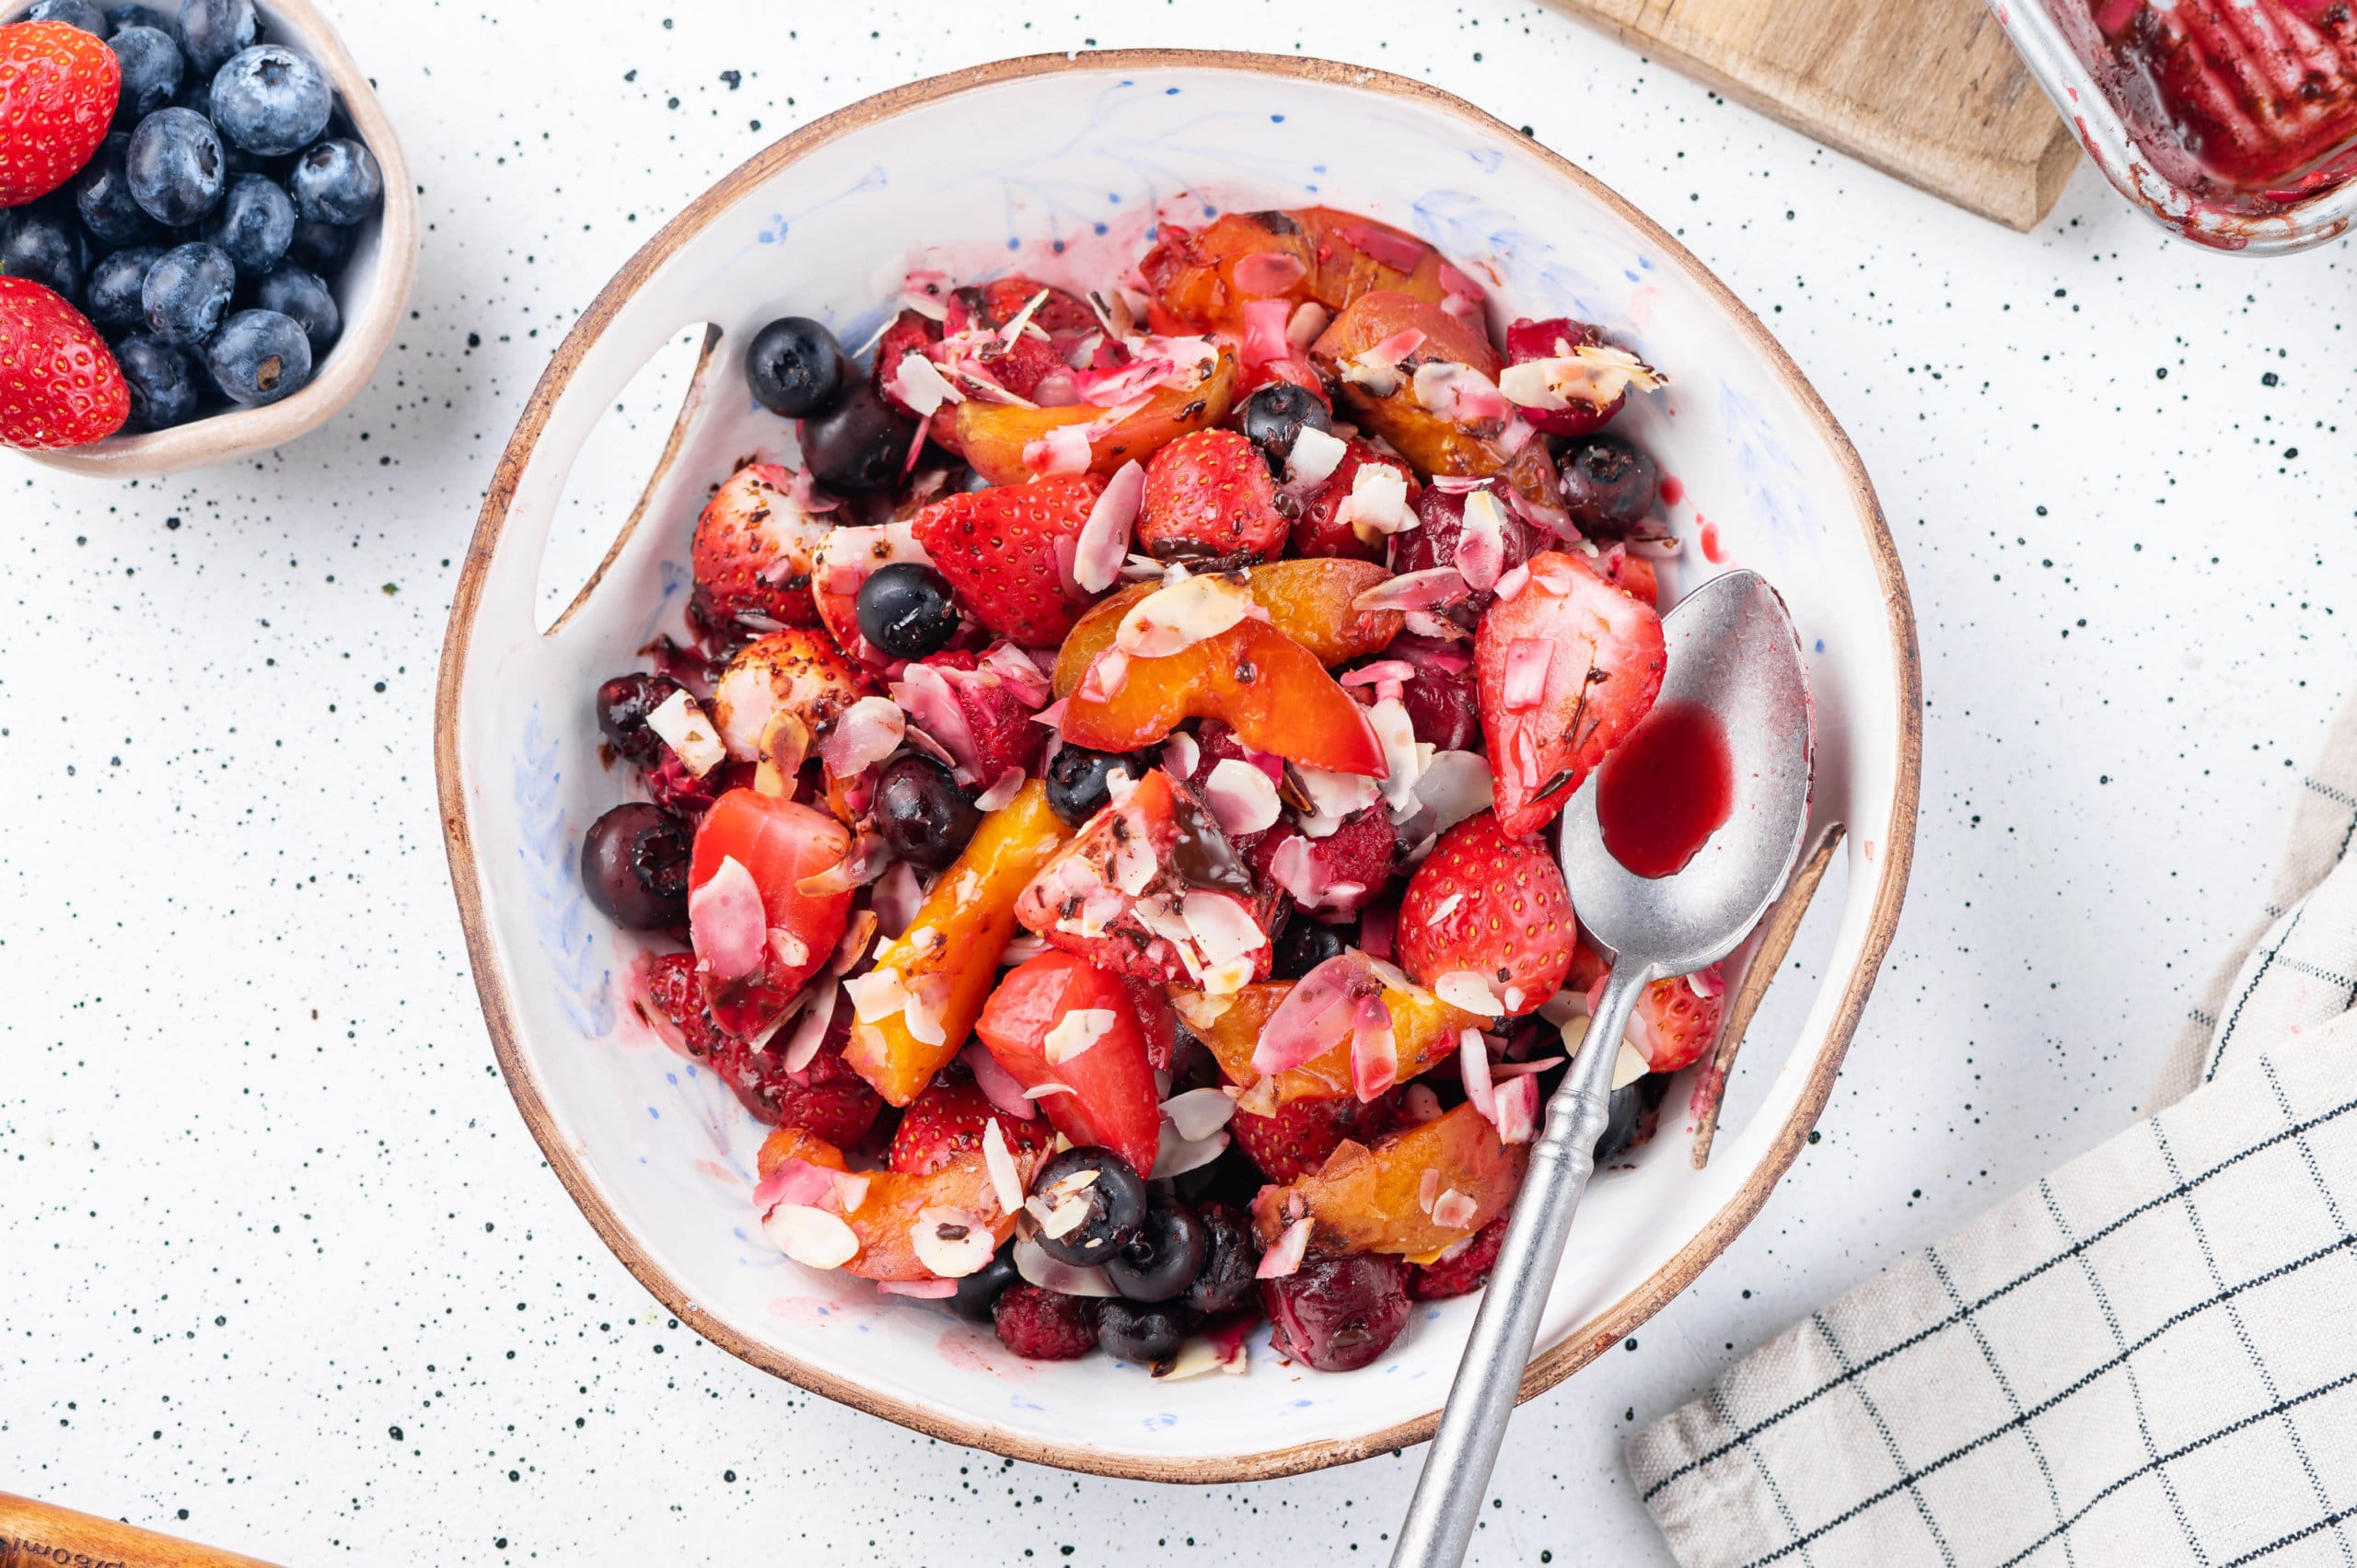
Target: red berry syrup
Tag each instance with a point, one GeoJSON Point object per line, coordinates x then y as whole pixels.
{"type": "Point", "coordinates": [1666, 789]}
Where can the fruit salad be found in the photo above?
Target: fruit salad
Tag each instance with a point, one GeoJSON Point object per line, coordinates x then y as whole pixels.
{"type": "Point", "coordinates": [1098, 818]}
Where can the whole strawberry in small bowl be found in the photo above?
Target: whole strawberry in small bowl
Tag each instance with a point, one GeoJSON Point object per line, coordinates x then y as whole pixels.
{"type": "Point", "coordinates": [210, 191]}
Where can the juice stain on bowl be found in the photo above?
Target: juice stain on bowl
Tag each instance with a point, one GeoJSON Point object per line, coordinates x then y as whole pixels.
{"type": "Point", "coordinates": [1667, 790]}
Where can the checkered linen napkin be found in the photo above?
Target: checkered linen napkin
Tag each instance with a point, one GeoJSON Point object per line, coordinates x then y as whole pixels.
{"type": "Point", "coordinates": [2148, 1358]}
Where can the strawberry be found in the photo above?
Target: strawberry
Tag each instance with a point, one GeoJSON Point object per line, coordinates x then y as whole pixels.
{"type": "Point", "coordinates": [1031, 358]}
{"type": "Point", "coordinates": [1491, 905]}
{"type": "Point", "coordinates": [1674, 1021]}
{"type": "Point", "coordinates": [1209, 495]}
{"type": "Point", "coordinates": [996, 716]}
{"type": "Point", "coordinates": [59, 383]}
{"type": "Point", "coordinates": [839, 1108]}
{"type": "Point", "coordinates": [758, 936]}
{"type": "Point", "coordinates": [753, 551]}
{"type": "Point", "coordinates": [1465, 1272]}
{"type": "Point", "coordinates": [1298, 1138]}
{"type": "Point", "coordinates": [1055, 1019]}
{"type": "Point", "coordinates": [1316, 533]}
{"type": "Point", "coordinates": [58, 90]}
{"type": "Point", "coordinates": [1156, 1020]}
{"type": "Point", "coordinates": [1348, 869]}
{"type": "Point", "coordinates": [1633, 575]}
{"type": "Point", "coordinates": [1044, 1325]}
{"type": "Point", "coordinates": [1554, 338]}
{"type": "Point", "coordinates": [1568, 666]}
{"type": "Point", "coordinates": [1007, 551]}
{"type": "Point", "coordinates": [1151, 888]}
{"type": "Point", "coordinates": [674, 991]}
{"type": "Point", "coordinates": [944, 1124]}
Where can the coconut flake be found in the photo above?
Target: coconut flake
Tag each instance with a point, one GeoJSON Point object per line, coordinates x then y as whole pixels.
{"type": "Point", "coordinates": [1006, 1181]}
{"type": "Point", "coordinates": [1177, 617]}
{"type": "Point", "coordinates": [1427, 589]}
{"type": "Point", "coordinates": [1453, 1211]}
{"type": "Point", "coordinates": [795, 1181]}
{"type": "Point", "coordinates": [1469, 991]}
{"type": "Point", "coordinates": [1377, 501]}
{"type": "Point", "coordinates": [922, 1290]}
{"type": "Point", "coordinates": [1517, 1104]}
{"type": "Point", "coordinates": [876, 995]}
{"type": "Point", "coordinates": [926, 697]}
{"type": "Point", "coordinates": [1510, 586]}
{"type": "Point", "coordinates": [1036, 1268]}
{"type": "Point", "coordinates": [1706, 983]}
{"type": "Point", "coordinates": [917, 382]}
{"type": "Point", "coordinates": [1264, 331]}
{"type": "Point", "coordinates": [1402, 757]}
{"type": "Point", "coordinates": [851, 1190]}
{"type": "Point", "coordinates": [1473, 1067]}
{"type": "Point", "coordinates": [726, 924]}
{"type": "Point", "coordinates": [896, 900]}
{"type": "Point", "coordinates": [1002, 791]}
{"type": "Point", "coordinates": [1315, 1016]}
{"type": "Point", "coordinates": [864, 861]}
{"type": "Point", "coordinates": [1199, 1113]}
{"type": "Point", "coordinates": [1420, 1105]}
{"type": "Point", "coordinates": [681, 721]}
{"type": "Point", "coordinates": [1428, 1188]}
{"type": "Point", "coordinates": [1241, 797]}
{"type": "Point", "coordinates": [1176, 1157]}
{"type": "Point", "coordinates": [811, 1235]}
{"type": "Point", "coordinates": [1481, 548]}
{"type": "Point", "coordinates": [1375, 1050]}
{"type": "Point", "coordinates": [1064, 449]}
{"type": "Point", "coordinates": [1180, 754]}
{"type": "Point", "coordinates": [1285, 1257]}
{"type": "Point", "coordinates": [950, 1242]}
{"type": "Point", "coordinates": [810, 1028]}
{"type": "Point", "coordinates": [1315, 457]}
{"type": "Point", "coordinates": [1626, 1067]}
{"type": "Point", "coordinates": [1455, 785]}
{"type": "Point", "coordinates": [1333, 795]}
{"type": "Point", "coordinates": [920, 1013]}
{"type": "Point", "coordinates": [1309, 321]}
{"type": "Point", "coordinates": [998, 1085]}
{"type": "Point", "coordinates": [1220, 925]}
{"type": "Point", "coordinates": [1076, 1031]}
{"type": "Point", "coordinates": [868, 732]}
{"type": "Point", "coordinates": [1104, 541]}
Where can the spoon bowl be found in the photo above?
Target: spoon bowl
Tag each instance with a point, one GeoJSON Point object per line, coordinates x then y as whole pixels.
{"type": "Point", "coordinates": [1732, 652]}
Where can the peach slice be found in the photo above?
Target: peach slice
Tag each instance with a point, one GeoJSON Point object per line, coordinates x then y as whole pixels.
{"type": "Point", "coordinates": [993, 436]}
{"type": "Point", "coordinates": [1383, 1197]}
{"type": "Point", "coordinates": [1424, 1030]}
{"type": "Point", "coordinates": [948, 956]}
{"type": "Point", "coordinates": [1203, 279]}
{"type": "Point", "coordinates": [1309, 600]}
{"type": "Point", "coordinates": [887, 1215]}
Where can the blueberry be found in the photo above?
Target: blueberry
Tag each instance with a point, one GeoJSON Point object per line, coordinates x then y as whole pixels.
{"type": "Point", "coordinates": [253, 226]}
{"type": "Point", "coordinates": [634, 866]}
{"type": "Point", "coordinates": [1114, 1205]}
{"type": "Point", "coordinates": [1076, 781]}
{"type": "Point", "coordinates": [196, 96]}
{"type": "Point", "coordinates": [270, 100]}
{"type": "Point", "coordinates": [323, 248]}
{"type": "Point", "coordinates": [336, 181]}
{"type": "Point", "coordinates": [121, 18]}
{"type": "Point", "coordinates": [72, 12]}
{"type": "Point", "coordinates": [151, 72]}
{"type": "Point", "coordinates": [43, 243]}
{"type": "Point", "coordinates": [162, 385]}
{"type": "Point", "coordinates": [860, 444]}
{"type": "Point", "coordinates": [1609, 484]}
{"type": "Point", "coordinates": [291, 292]}
{"type": "Point", "coordinates": [186, 291]}
{"type": "Point", "coordinates": [1274, 417]}
{"type": "Point", "coordinates": [102, 199]}
{"type": "Point", "coordinates": [1305, 944]}
{"type": "Point", "coordinates": [1168, 1251]}
{"type": "Point", "coordinates": [922, 814]}
{"type": "Point", "coordinates": [259, 357]}
{"type": "Point", "coordinates": [215, 29]}
{"type": "Point", "coordinates": [795, 367]}
{"type": "Point", "coordinates": [1143, 1335]}
{"type": "Point", "coordinates": [175, 167]}
{"type": "Point", "coordinates": [113, 300]}
{"type": "Point", "coordinates": [907, 610]}
{"type": "Point", "coordinates": [980, 1291]}
{"type": "Point", "coordinates": [1624, 1122]}
{"type": "Point", "coordinates": [1226, 1282]}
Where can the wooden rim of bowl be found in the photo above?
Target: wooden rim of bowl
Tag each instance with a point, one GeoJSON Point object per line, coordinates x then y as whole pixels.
{"type": "Point", "coordinates": [351, 364]}
{"type": "Point", "coordinates": [1587, 1341]}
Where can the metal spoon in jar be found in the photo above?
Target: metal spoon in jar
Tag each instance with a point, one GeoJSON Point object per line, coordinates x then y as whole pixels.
{"type": "Point", "coordinates": [1733, 653]}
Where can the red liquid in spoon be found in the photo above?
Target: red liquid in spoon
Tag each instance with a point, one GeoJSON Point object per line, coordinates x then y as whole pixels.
{"type": "Point", "coordinates": [1666, 789]}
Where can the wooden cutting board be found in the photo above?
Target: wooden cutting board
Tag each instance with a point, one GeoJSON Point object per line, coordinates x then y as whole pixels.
{"type": "Point", "coordinates": [1928, 90]}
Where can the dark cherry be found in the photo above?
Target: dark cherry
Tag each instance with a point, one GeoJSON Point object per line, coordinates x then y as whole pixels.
{"type": "Point", "coordinates": [1226, 1283]}
{"type": "Point", "coordinates": [623, 703]}
{"type": "Point", "coordinates": [1337, 1314]}
{"type": "Point", "coordinates": [922, 814]}
{"type": "Point", "coordinates": [860, 444]}
{"type": "Point", "coordinates": [1274, 418]}
{"type": "Point", "coordinates": [978, 1291]}
{"type": "Point", "coordinates": [1142, 1333]}
{"type": "Point", "coordinates": [1165, 1256]}
{"type": "Point", "coordinates": [1630, 1112]}
{"type": "Point", "coordinates": [1076, 787]}
{"type": "Point", "coordinates": [1305, 944]}
{"type": "Point", "coordinates": [1609, 484]}
{"type": "Point", "coordinates": [908, 610]}
{"type": "Point", "coordinates": [634, 866]}
{"type": "Point", "coordinates": [1116, 1205]}
{"type": "Point", "coordinates": [1432, 542]}
{"type": "Point", "coordinates": [1443, 701]}
{"type": "Point", "coordinates": [795, 367]}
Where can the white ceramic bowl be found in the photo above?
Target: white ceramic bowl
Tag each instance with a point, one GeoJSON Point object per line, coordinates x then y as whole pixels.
{"type": "Point", "coordinates": [371, 292]}
{"type": "Point", "coordinates": [996, 166]}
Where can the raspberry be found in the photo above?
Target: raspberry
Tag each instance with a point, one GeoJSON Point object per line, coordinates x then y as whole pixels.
{"type": "Point", "coordinates": [1464, 1273]}
{"type": "Point", "coordinates": [1044, 1325]}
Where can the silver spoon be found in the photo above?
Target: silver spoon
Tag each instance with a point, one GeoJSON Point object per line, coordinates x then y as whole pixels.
{"type": "Point", "coordinates": [1732, 649]}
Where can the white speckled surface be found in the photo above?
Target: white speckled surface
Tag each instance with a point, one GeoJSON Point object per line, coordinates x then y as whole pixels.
{"type": "Point", "coordinates": [263, 1201]}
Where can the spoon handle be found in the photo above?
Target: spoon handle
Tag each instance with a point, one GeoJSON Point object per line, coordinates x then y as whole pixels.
{"type": "Point", "coordinates": [1439, 1526]}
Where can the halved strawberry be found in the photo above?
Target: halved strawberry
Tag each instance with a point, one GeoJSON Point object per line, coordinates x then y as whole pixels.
{"type": "Point", "coordinates": [1209, 497]}
{"type": "Point", "coordinates": [1298, 1138]}
{"type": "Point", "coordinates": [1675, 1020]}
{"type": "Point", "coordinates": [1158, 1019]}
{"type": "Point", "coordinates": [758, 936]}
{"type": "Point", "coordinates": [1568, 665]}
{"type": "Point", "coordinates": [1057, 1020]}
{"type": "Point", "coordinates": [1007, 550]}
{"type": "Point", "coordinates": [753, 550]}
{"type": "Point", "coordinates": [1150, 887]}
{"type": "Point", "coordinates": [944, 1124]}
{"type": "Point", "coordinates": [1492, 907]}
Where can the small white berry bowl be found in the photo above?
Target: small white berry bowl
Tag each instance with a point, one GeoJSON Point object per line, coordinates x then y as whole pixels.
{"type": "Point", "coordinates": [1054, 166]}
{"type": "Point", "coordinates": [370, 292]}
